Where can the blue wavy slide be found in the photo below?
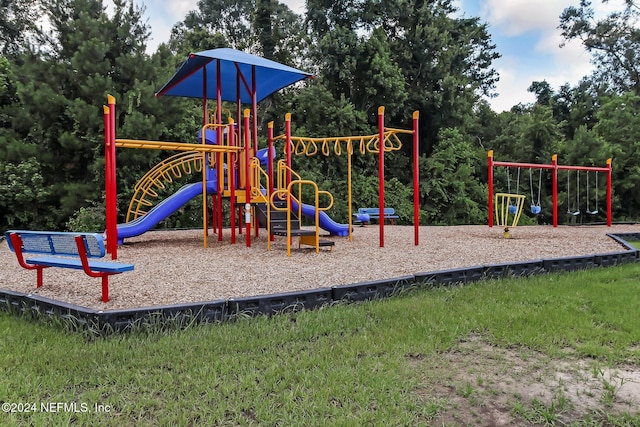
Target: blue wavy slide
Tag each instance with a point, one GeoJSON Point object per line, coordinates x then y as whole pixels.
{"type": "Point", "coordinates": [164, 209]}
{"type": "Point", "coordinates": [326, 223]}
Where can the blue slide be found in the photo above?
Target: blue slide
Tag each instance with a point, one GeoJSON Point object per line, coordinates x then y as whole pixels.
{"type": "Point", "coordinates": [326, 223]}
{"type": "Point", "coordinates": [165, 208]}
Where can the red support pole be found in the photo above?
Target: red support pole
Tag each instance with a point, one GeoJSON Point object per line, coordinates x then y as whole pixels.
{"type": "Point", "coordinates": [554, 188]}
{"type": "Point", "coordinates": [109, 205]}
{"type": "Point", "coordinates": [490, 179]}
{"type": "Point", "coordinates": [219, 141]}
{"type": "Point", "coordinates": [113, 194]}
{"type": "Point", "coordinates": [416, 180]}
{"type": "Point", "coordinates": [205, 157]}
{"type": "Point", "coordinates": [609, 192]}
{"type": "Point", "coordinates": [381, 172]}
{"type": "Point", "coordinates": [247, 182]}
{"type": "Point", "coordinates": [270, 165]}
{"type": "Point", "coordinates": [287, 132]}
{"type": "Point", "coordinates": [231, 179]}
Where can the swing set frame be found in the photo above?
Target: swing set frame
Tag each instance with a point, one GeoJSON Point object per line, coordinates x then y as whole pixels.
{"type": "Point", "coordinates": [554, 167]}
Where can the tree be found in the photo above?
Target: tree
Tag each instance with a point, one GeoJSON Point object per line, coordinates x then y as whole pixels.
{"type": "Point", "coordinates": [619, 126]}
{"type": "Point", "coordinates": [450, 190]}
{"type": "Point", "coordinates": [436, 63]}
{"type": "Point", "coordinates": [614, 42]}
{"type": "Point", "coordinates": [16, 25]}
{"type": "Point", "coordinates": [54, 114]}
{"type": "Point", "coordinates": [261, 27]}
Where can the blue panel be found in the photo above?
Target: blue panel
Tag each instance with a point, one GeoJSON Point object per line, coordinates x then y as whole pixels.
{"type": "Point", "coordinates": [200, 72]}
{"type": "Point", "coordinates": [57, 243]}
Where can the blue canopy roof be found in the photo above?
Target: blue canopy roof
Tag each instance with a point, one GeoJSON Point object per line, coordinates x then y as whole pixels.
{"type": "Point", "coordinates": [201, 68]}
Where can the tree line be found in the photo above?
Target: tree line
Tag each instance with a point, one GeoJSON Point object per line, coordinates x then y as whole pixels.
{"type": "Point", "coordinates": [59, 59]}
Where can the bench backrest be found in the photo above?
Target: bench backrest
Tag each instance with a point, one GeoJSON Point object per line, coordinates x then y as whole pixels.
{"type": "Point", "coordinates": [57, 243]}
{"type": "Point", "coordinates": [376, 211]}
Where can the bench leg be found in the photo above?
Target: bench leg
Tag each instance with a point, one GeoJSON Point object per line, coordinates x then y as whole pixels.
{"type": "Point", "coordinates": [39, 275]}
{"type": "Point", "coordinates": [105, 288]}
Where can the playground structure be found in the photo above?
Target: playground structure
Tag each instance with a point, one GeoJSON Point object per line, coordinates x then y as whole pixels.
{"type": "Point", "coordinates": [509, 205]}
{"type": "Point", "coordinates": [229, 160]}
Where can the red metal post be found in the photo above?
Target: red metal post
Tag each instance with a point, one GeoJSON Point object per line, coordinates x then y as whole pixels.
{"type": "Point", "coordinates": [113, 194]}
{"type": "Point", "coordinates": [270, 166]}
{"type": "Point", "coordinates": [109, 205]}
{"type": "Point", "coordinates": [247, 182]}
{"type": "Point", "coordinates": [554, 188]}
{"type": "Point", "coordinates": [205, 120]}
{"type": "Point", "coordinates": [416, 180]}
{"type": "Point", "coordinates": [219, 141]}
{"type": "Point", "coordinates": [287, 132]}
{"type": "Point", "coordinates": [381, 172]}
{"type": "Point", "coordinates": [490, 179]}
{"type": "Point", "coordinates": [609, 195]}
{"type": "Point", "coordinates": [231, 179]}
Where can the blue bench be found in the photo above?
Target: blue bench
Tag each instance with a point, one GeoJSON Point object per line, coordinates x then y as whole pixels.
{"type": "Point", "coordinates": [57, 245]}
{"type": "Point", "coordinates": [364, 215]}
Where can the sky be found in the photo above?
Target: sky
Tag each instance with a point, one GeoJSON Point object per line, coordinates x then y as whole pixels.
{"type": "Point", "coordinates": [524, 31]}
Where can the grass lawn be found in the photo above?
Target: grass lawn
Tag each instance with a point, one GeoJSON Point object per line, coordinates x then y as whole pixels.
{"type": "Point", "coordinates": [546, 350]}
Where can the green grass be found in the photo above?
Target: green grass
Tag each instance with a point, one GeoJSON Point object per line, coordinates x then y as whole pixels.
{"type": "Point", "coordinates": [634, 243]}
{"type": "Point", "coordinates": [358, 364]}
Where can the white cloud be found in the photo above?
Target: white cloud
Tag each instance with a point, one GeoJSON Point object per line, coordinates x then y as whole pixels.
{"type": "Point", "coordinates": [511, 89]}
{"type": "Point", "coordinates": [297, 6]}
{"type": "Point", "coordinates": [539, 20]}
{"type": "Point", "coordinates": [567, 64]}
{"type": "Point", "coordinates": [179, 8]}
{"type": "Point", "coordinates": [515, 17]}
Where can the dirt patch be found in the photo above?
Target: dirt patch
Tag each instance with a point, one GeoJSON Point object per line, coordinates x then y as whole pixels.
{"type": "Point", "coordinates": [478, 384]}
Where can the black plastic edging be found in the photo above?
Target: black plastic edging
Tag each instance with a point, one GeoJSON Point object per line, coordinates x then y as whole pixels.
{"type": "Point", "coordinates": [221, 310]}
{"type": "Point", "coordinates": [372, 290]}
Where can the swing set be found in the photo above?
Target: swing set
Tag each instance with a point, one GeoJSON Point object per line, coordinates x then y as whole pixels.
{"type": "Point", "coordinates": [508, 206]}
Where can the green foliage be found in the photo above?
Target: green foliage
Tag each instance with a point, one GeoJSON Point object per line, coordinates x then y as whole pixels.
{"type": "Point", "coordinates": [23, 196]}
{"type": "Point", "coordinates": [88, 219]}
{"type": "Point", "coordinates": [404, 55]}
{"type": "Point", "coordinates": [618, 125]}
{"type": "Point", "coordinates": [614, 42]}
{"type": "Point", "coordinates": [450, 191]}
{"type": "Point", "coordinates": [16, 25]}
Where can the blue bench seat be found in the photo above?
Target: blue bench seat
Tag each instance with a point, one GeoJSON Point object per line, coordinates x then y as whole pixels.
{"type": "Point", "coordinates": [366, 214]}
{"type": "Point", "coordinates": [64, 250]}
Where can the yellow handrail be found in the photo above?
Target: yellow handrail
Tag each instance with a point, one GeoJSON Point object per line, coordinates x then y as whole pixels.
{"type": "Point", "coordinates": [256, 186]}
{"type": "Point", "coordinates": [286, 193]}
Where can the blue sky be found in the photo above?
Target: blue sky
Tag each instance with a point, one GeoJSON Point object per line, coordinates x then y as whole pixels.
{"type": "Point", "coordinates": [524, 31]}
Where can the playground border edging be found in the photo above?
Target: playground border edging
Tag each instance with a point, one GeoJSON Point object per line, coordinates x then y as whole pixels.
{"type": "Point", "coordinates": [224, 310]}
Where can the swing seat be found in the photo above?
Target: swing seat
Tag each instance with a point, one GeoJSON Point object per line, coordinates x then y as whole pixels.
{"type": "Point", "coordinates": [593, 212]}
{"type": "Point", "coordinates": [513, 209]}
{"type": "Point", "coordinates": [574, 213]}
{"type": "Point", "coordinates": [535, 209]}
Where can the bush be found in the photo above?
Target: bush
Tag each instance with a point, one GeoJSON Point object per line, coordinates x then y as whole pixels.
{"type": "Point", "coordinates": [88, 219]}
